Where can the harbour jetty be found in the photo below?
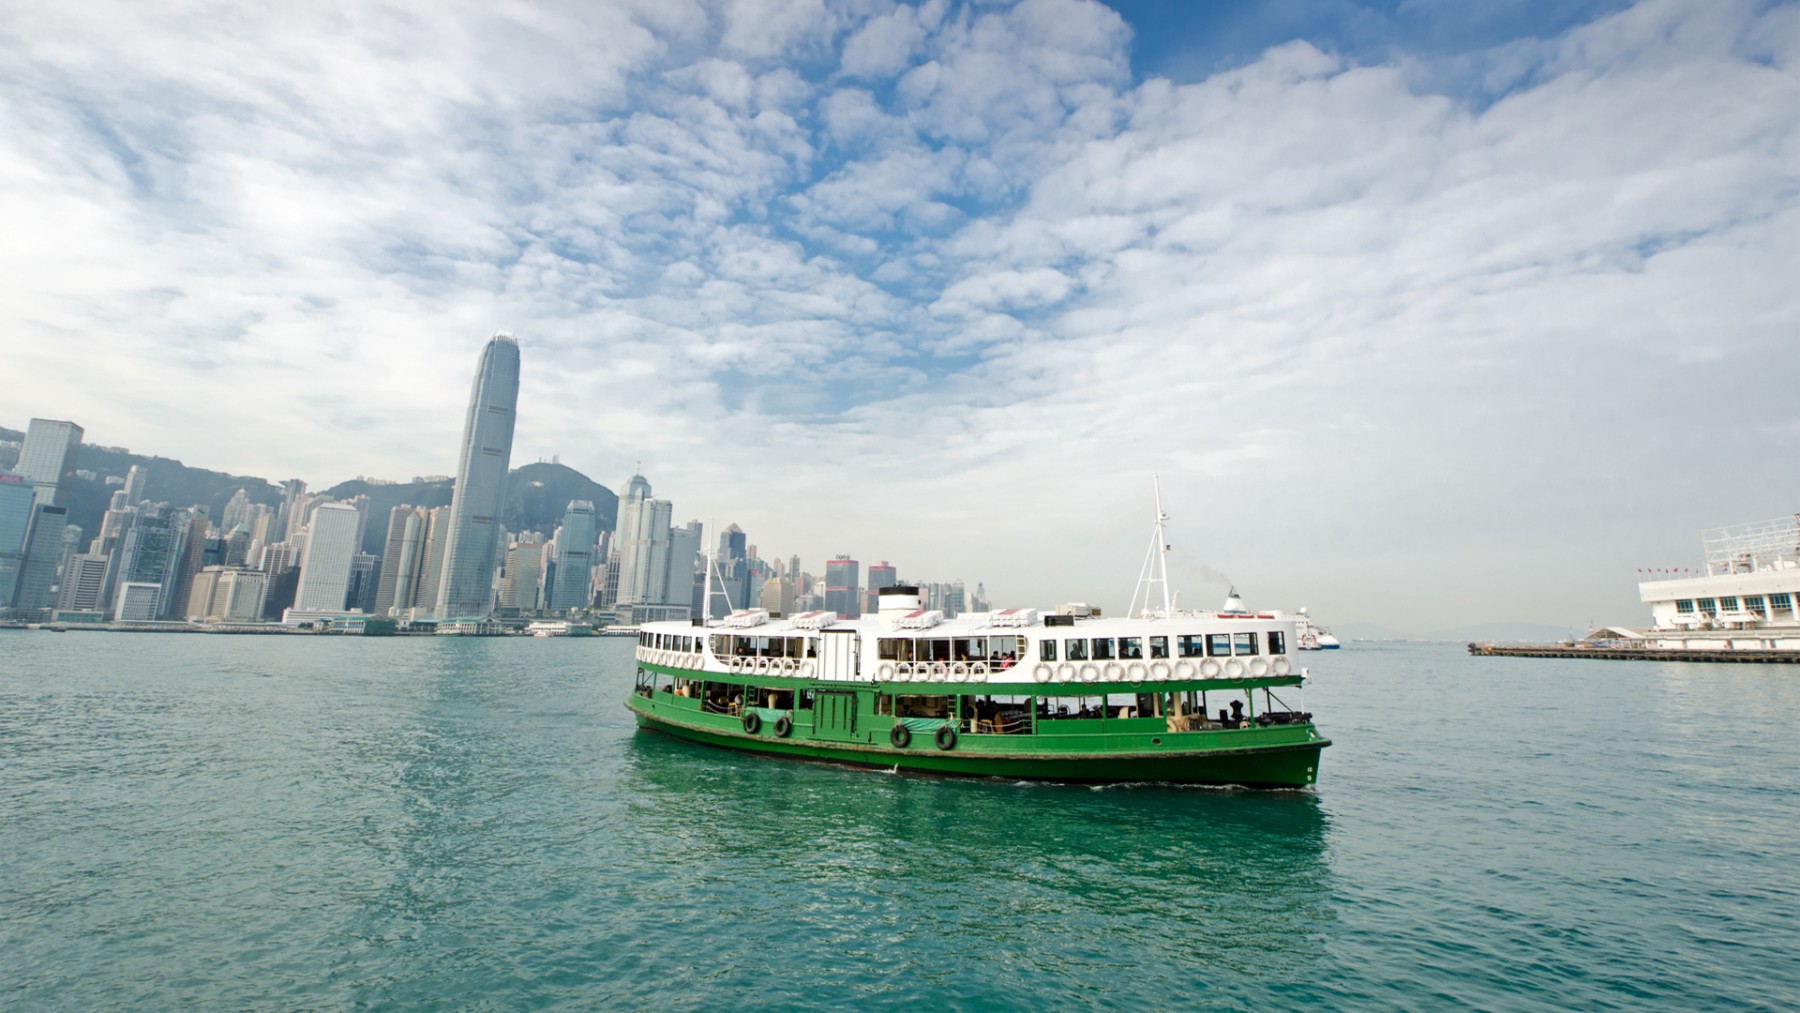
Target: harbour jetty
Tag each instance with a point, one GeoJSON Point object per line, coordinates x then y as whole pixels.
{"type": "Point", "coordinates": [1621, 652]}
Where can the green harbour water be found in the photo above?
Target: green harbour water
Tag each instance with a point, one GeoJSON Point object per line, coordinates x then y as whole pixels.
{"type": "Point", "coordinates": [278, 823]}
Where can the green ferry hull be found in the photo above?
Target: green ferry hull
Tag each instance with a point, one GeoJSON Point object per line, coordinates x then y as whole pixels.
{"type": "Point", "coordinates": [1283, 757]}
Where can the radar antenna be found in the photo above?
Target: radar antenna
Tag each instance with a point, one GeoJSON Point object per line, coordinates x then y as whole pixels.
{"type": "Point", "coordinates": [1156, 565]}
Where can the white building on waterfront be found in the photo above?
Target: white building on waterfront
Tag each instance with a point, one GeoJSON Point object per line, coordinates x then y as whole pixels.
{"type": "Point", "coordinates": [1744, 598]}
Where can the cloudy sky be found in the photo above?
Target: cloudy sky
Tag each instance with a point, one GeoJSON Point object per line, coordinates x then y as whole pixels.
{"type": "Point", "coordinates": [1427, 313]}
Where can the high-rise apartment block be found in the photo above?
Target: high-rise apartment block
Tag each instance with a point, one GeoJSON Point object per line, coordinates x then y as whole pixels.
{"type": "Point", "coordinates": [466, 587]}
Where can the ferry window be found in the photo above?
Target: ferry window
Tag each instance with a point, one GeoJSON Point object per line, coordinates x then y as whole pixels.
{"type": "Point", "coordinates": [887, 650]}
{"type": "Point", "coordinates": [1192, 645]}
{"type": "Point", "coordinates": [1131, 647]}
{"type": "Point", "coordinates": [1103, 649]}
{"type": "Point", "coordinates": [1707, 605]}
{"type": "Point", "coordinates": [1783, 601]}
{"type": "Point", "coordinates": [1077, 649]}
{"type": "Point", "coordinates": [1046, 650]}
{"type": "Point", "coordinates": [1728, 604]}
{"type": "Point", "coordinates": [1159, 647]}
{"type": "Point", "coordinates": [1218, 645]}
{"type": "Point", "coordinates": [1754, 603]}
{"type": "Point", "coordinates": [1684, 605]}
{"type": "Point", "coordinates": [1244, 643]}
{"type": "Point", "coordinates": [1277, 642]}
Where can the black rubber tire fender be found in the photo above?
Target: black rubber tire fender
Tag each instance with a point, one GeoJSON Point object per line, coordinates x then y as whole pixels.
{"type": "Point", "coordinates": [946, 738]}
{"type": "Point", "coordinates": [752, 722]}
{"type": "Point", "coordinates": [900, 736]}
{"type": "Point", "coordinates": [783, 726]}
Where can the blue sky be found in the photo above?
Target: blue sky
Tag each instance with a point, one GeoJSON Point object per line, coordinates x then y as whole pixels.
{"type": "Point", "coordinates": [1428, 313]}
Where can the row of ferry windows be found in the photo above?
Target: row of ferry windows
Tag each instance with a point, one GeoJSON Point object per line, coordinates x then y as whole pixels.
{"type": "Point", "coordinates": [1782, 602]}
{"type": "Point", "coordinates": [668, 642]}
{"type": "Point", "coordinates": [1193, 645]}
{"type": "Point", "coordinates": [1008, 648]}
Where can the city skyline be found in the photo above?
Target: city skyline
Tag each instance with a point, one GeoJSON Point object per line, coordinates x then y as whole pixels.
{"type": "Point", "coordinates": [1409, 307]}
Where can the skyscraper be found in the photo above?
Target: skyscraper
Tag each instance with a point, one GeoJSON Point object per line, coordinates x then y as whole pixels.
{"type": "Point", "coordinates": [134, 485]}
{"type": "Point", "coordinates": [881, 574]}
{"type": "Point", "coordinates": [842, 595]}
{"type": "Point", "coordinates": [48, 456]}
{"type": "Point", "coordinates": [466, 588]}
{"type": "Point", "coordinates": [574, 558]}
{"type": "Point", "coordinates": [154, 547]}
{"type": "Point", "coordinates": [431, 568]}
{"type": "Point", "coordinates": [17, 494]}
{"type": "Point", "coordinates": [520, 586]}
{"type": "Point", "coordinates": [402, 559]}
{"type": "Point", "coordinates": [325, 565]}
{"type": "Point", "coordinates": [733, 563]}
{"type": "Point", "coordinates": [684, 559]}
{"type": "Point", "coordinates": [43, 551]}
{"type": "Point", "coordinates": [643, 543]}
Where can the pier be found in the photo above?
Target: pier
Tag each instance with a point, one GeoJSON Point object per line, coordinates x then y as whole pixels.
{"type": "Point", "coordinates": [1737, 656]}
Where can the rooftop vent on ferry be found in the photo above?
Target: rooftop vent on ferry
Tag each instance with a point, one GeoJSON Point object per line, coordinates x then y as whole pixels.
{"type": "Point", "coordinates": [899, 598]}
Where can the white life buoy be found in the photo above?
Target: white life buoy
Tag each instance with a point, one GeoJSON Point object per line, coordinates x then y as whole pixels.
{"type": "Point", "coordinates": [806, 669]}
{"type": "Point", "coordinates": [959, 672]}
{"type": "Point", "coordinates": [734, 665]}
{"type": "Point", "coordinates": [1136, 671]}
{"type": "Point", "coordinates": [978, 672]}
{"type": "Point", "coordinates": [1159, 670]}
{"type": "Point", "coordinates": [1113, 671]}
{"type": "Point", "coordinates": [886, 671]}
{"type": "Point", "coordinates": [1210, 668]}
{"type": "Point", "coordinates": [939, 671]}
{"type": "Point", "coordinates": [1234, 668]}
{"type": "Point", "coordinates": [1042, 673]}
{"type": "Point", "coordinates": [1090, 672]}
{"type": "Point", "coordinates": [1259, 666]}
{"type": "Point", "coordinates": [1184, 669]}
{"type": "Point", "coordinates": [790, 666]}
{"type": "Point", "coordinates": [1065, 672]}
{"type": "Point", "coordinates": [1283, 666]}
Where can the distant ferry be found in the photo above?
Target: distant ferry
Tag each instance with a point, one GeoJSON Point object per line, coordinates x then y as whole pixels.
{"type": "Point", "coordinates": [1193, 697]}
{"type": "Point", "coordinates": [1309, 635]}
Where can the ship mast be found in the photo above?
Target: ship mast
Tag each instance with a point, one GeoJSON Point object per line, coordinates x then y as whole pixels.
{"type": "Point", "coordinates": [1156, 564]}
{"type": "Point", "coordinates": [714, 579]}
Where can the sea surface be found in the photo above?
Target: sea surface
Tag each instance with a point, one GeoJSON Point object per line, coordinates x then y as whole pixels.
{"type": "Point", "coordinates": [280, 823]}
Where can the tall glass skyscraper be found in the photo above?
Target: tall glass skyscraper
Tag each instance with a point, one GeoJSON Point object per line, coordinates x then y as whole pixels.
{"type": "Point", "coordinates": [574, 558]}
{"type": "Point", "coordinates": [465, 589]}
{"type": "Point", "coordinates": [48, 456]}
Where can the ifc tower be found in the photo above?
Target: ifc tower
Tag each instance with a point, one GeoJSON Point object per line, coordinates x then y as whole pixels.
{"type": "Point", "coordinates": [464, 588]}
